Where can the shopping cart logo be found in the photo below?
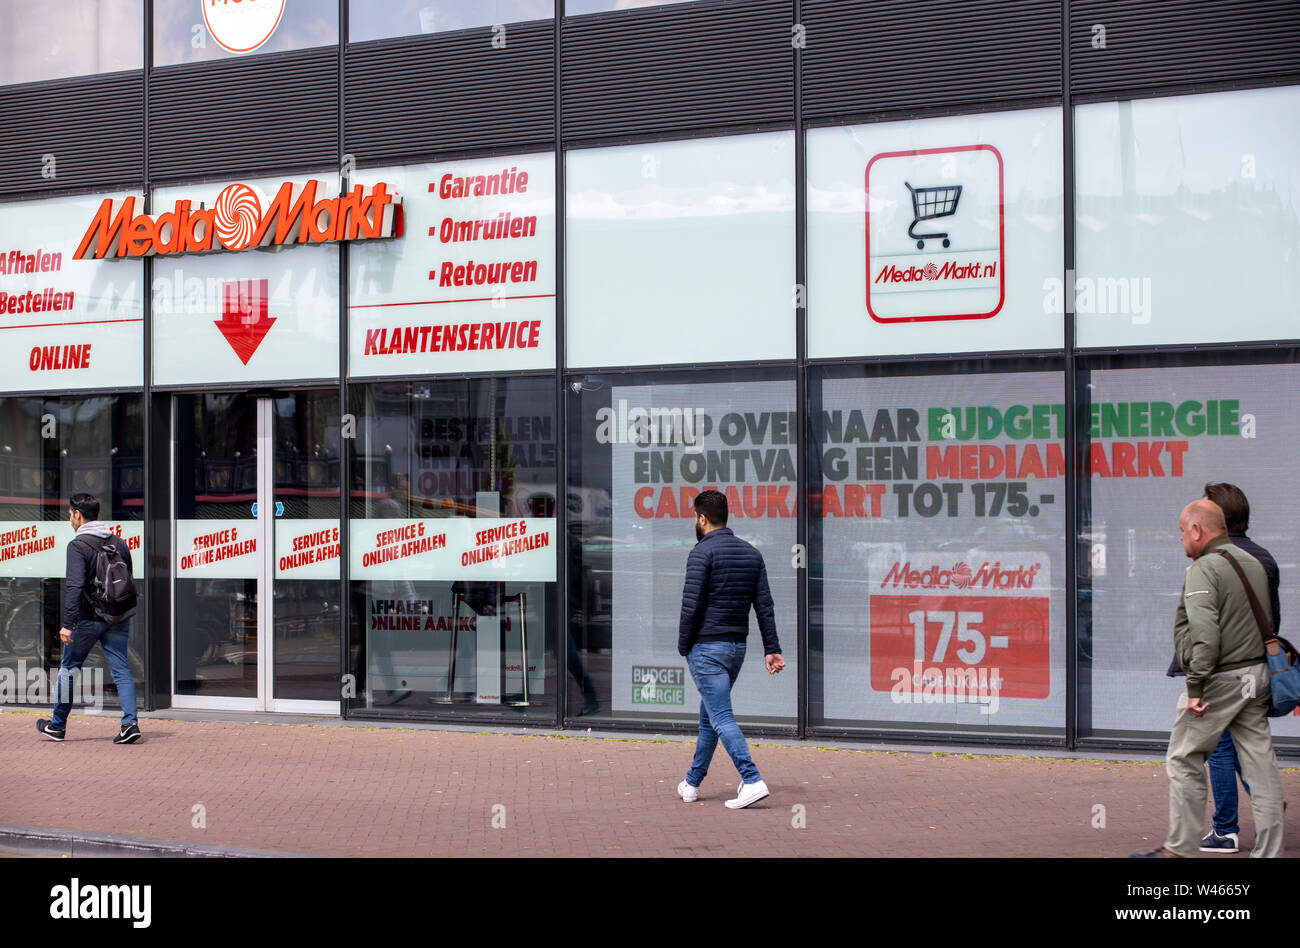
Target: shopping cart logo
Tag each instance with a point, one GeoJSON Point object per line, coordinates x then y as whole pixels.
{"type": "Point", "coordinates": [935, 243]}
{"type": "Point", "coordinates": [930, 204]}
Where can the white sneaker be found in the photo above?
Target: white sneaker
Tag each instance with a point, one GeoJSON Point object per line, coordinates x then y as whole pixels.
{"type": "Point", "coordinates": [747, 794]}
{"type": "Point", "coordinates": [688, 793]}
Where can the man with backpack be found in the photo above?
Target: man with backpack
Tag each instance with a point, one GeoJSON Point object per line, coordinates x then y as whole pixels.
{"type": "Point", "coordinates": [99, 601]}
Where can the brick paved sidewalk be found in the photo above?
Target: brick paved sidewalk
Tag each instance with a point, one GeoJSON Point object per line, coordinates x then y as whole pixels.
{"type": "Point", "coordinates": [359, 791]}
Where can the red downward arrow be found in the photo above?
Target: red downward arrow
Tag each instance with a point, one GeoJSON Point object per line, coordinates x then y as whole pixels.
{"type": "Point", "coordinates": [243, 321]}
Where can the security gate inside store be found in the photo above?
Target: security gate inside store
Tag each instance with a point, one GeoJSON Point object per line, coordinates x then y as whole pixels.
{"type": "Point", "coordinates": [255, 552]}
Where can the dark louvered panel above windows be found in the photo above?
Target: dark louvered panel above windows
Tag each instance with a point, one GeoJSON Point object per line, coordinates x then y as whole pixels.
{"type": "Point", "coordinates": [662, 70]}
{"type": "Point", "coordinates": [79, 133]}
{"type": "Point", "coordinates": [895, 55]}
{"type": "Point", "coordinates": [1131, 46]}
{"type": "Point", "coordinates": [451, 92]}
{"type": "Point", "coordinates": [244, 116]}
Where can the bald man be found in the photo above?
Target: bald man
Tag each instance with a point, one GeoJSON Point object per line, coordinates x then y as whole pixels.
{"type": "Point", "coordinates": [1221, 649]}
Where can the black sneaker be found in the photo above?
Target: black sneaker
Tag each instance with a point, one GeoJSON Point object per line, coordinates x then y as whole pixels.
{"type": "Point", "coordinates": [128, 735]}
{"type": "Point", "coordinates": [53, 733]}
{"type": "Point", "coordinates": [1216, 842]}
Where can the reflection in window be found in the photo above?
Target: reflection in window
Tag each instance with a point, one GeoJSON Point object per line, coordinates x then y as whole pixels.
{"type": "Point", "coordinates": [578, 7]}
{"type": "Point", "coordinates": [53, 39]}
{"type": "Point", "coordinates": [452, 547]}
{"type": "Point", "coordinates": [641, 448]}
{"type": "Point", "coordinates": [378, 19]}
{"type": "Point", "coordinates": [50, 449]}
{"type": "Point", "coordinates": [181, 36]}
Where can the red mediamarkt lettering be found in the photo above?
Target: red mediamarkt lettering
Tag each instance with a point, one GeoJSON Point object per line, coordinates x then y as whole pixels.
{"type": "Point", "coordinates": [361, 214]}
{"type": "Point", "coordinates": [39, 261]}
{"type": "Point", "coordinates": [961, 577]}
{"type": "Point", "coordinates": [455, 338]}
{"type": "Point", "coordinates": [949, 271]}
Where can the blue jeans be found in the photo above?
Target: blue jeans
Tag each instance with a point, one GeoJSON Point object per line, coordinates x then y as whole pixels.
{"type": "Point", "coordinates": [113, 638]}
{"type": "Point", "coordinates": [714, 667]}
{"type": "Point", "coordinates": [1224, 771]}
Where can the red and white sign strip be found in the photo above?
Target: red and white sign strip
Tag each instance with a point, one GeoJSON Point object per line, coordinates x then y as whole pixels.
{"type": "Point", "coordinates": [472, 284]}
{"type": "Point", "coordinates": [486, 549]}
{"type": "Point", "coordinates": [943, 623]}
{"type": "Point", "coordinates": [241, 26]}
{"type": "Point", "coordinates": [306, 549]}
{"type": "Point", "coordinates": [216, 549]}
{"type": "Point", "coordinates": [935, 235]}
{"type": "Point", "coordinates": [39, 548]}
{"type": "Point", "coordinates": [64, 323]}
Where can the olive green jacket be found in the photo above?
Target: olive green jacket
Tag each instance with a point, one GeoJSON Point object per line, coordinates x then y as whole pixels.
{"type": "Point", "coordinates": [1215, 629]}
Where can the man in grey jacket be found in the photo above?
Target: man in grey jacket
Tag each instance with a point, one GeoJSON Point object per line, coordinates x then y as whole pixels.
{"type": "Point", "coordinates": [82, 628]}
{"type": "Point", "coordinates": [1220, 647]}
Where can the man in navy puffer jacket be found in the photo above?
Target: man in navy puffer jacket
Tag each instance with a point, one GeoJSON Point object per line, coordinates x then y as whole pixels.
{"type": "Point", "coordinates": [725, 576]}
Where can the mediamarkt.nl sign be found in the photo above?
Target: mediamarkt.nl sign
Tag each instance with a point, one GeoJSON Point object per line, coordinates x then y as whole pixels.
{"type": "Point", "coordinates": [236, 221]}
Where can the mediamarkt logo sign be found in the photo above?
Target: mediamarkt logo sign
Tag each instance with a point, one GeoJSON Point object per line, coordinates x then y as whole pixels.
{"type": "Point", "coordinates": [961, 576]}
{"type": "Point", "coordinates": [236, 221]}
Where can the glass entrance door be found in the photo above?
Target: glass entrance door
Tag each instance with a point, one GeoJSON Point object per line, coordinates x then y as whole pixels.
{"type": "Point", "coordinates": [256, 554]}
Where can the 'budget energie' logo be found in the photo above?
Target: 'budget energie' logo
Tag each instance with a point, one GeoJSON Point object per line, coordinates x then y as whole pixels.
{"type": "Point", "coordinates": [236, 221]}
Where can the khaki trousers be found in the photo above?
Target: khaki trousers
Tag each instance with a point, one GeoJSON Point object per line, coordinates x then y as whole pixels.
{"type": "Point", "coordinates": [1238, 703]}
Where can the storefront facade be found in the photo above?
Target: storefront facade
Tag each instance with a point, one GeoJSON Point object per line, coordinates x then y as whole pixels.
{"type": "Point", "coordinates": [398, 338]}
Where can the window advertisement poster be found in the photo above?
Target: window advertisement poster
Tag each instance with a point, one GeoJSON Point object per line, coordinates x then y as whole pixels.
{"type": "Point", "coordinates": [666, 238]}
{"type": "Point", "coordinates": [247, 285]}
{"type": "Point", "coordinates": [1187, 222]}
{"type": "Point", "coordinates": [65, 323]}
{"type": "Point", "coordinates": [470, 287]}
{"type": "Point", "coordinates": [669, 443]}
{"type": "Point", "coordinates": [1158, 437]}
{"type": "Point", "coordinates": [942, 516]}
{"type": "Point", "coordinates": [936, 235]}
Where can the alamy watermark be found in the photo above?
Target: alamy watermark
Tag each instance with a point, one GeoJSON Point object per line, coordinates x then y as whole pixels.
{"type": "Point", "coordinates": [82, 687]}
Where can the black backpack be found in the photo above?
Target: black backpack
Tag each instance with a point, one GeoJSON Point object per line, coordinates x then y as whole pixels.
{"type": "Point", "coordinates": [109, 589]}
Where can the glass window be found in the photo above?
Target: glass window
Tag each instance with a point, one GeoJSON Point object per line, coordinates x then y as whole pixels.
{"type": "Point", "coordinates": [452, 556]}
{"type": "Point", "coordinates": [470, 285]}
{"type": "Point", "coordinates": [1159, 433]}
{"type": "Point", "coordinates": [641, 448]}
{"type": "Point", "coordinates": [66, 323]}
{"type": "Point", "coordinates": [50, 449]}
{"type": "Point", "coordinates": [253, 315]}
{"type": "Point", "coordinates": [378, 19]}
{"type": "Point", "coordinates": [668, 238]}
{"type": "Point", "coordinates": [1188, 218]}
{"type": "Point", "coordinates": [936, 235]}
{"type": "Point", "coordinates": [937, 518]}
{"type": "Point", "coordinates": [201, 30]}
{"type": "Point", "coordinates": [54, 39]}
{"type": "Point", "coordinates": [577, 7]}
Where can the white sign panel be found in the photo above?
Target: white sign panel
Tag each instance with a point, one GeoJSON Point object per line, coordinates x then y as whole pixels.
{"type": "Point", "coordinates": [65, 323]}
{"type": "Point", "coordinates": [471, 284]}
{"type": "Point", "coordinates": [259, 315]}
{"type": "Point", "coordinates": [216, 549]}
{"type": "Point", "coordinates": [306, 549]}
{"type": "Point", "coordinates": [242, 27]}
{"type": "Point", "coordinates": [936, 235]}
{"type": "Point", "coordinates": [466, 548]}
{"type": "Point", "coordinates": [39, 548]}
{"type": "Point", "coordinates": [935, 247]}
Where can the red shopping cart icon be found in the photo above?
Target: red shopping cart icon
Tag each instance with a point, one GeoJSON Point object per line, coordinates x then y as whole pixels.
{"type": "Point", "coordinates": [929, 204]}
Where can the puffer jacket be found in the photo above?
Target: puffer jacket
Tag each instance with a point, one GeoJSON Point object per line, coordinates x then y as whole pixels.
{"type": "Point", "coordinates": [725, 576]}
